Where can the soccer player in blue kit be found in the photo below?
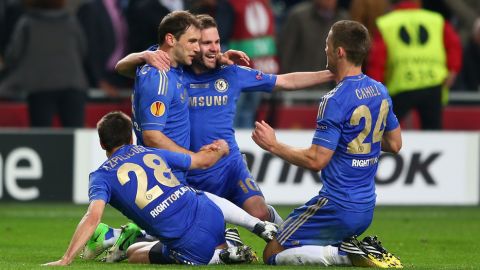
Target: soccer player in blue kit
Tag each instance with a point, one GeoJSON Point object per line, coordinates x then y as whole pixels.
{"type": "Point", "coordinates": [160, 119]}
{"type": "Point", "coordinates": [213, 91]}
{"type": "Point", "coordinates": [138, 181]}
{"type": "Point", "coordinates": [355, 123]}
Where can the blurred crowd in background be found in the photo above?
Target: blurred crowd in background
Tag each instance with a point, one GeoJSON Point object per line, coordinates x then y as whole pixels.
{"type": "Point", "coordinates": [59, 50]}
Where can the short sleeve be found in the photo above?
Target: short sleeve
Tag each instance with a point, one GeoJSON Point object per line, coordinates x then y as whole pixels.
{"type": "Point", "coordinates": [392, 121]}
{"type": "Point", "coordinates": [252, 80]}
{"type": "Point", "coordinates": [177, 161]}
{"type": "Point", "coordinates": [98, 188]}
{"type": "Point", "coordinates": [154, 98]}
{"type": "Point", "coordinates": [329, 119]}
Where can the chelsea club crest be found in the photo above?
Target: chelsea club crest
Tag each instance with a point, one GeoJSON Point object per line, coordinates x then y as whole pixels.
{"type": "Point", "coordinates": [221, 85]}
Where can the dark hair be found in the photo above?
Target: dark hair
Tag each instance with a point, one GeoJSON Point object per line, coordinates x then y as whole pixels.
{"type": "Point", "coordinates": [354, 38]}
{"type": "Point", "coordinates": [114, 130]}
{"type": "Point", "coordinates": [176, 23]}
{"type": "Point", "coordinates": [206, 21]}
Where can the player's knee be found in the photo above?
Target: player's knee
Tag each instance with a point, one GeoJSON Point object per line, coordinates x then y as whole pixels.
{"type": "Point", "coordinates": [272, 248]}
{"type": "Point", "coordinates": [256, 207]}
{"type": "Point", "coordinates": [262, 214]}
{"type": "Point", "coordinates": [139, 252]}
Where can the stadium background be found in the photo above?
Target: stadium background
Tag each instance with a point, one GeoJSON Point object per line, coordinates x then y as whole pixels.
{"type": "Point", "coordinates": [428, 196]}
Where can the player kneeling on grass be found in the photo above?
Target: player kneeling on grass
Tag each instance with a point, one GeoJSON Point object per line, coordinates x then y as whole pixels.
{"type": "Point", "coordinates": [355, 123]}
{"type": "Point", "coordinates": [138, 182]}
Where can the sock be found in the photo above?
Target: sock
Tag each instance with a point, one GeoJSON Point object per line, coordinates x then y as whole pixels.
{"type": "Point", "coordinates": [147, 236]}
{"type": "Point", "coordinates": [229, 243]}
{"type": "Point", "coordinates": [312, 255]}
{"type": "Point", "coordinates": [272, 260]}
{"type": "Point", "coordinates": [234, 214]}
{"type": "Point", "coordinates": [216, 258]}
{"type": "Point", "coordinates": [274, 216]}
{"type": "Point", "coordinates": [111, 236]}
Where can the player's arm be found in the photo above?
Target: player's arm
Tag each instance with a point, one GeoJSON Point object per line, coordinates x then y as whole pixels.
{"type": "Point", "coordinates": [301, 80]}
{"type": "Point", "coordinates": [156, 139]}
{"type": "Point", "coordinates": [85, 229]}
{"type": "Point", "coordinates": [392, 140]}
{"type": "Point", "coordinates": [127, 65]}
{"type": "Point", "coordinates": [314, 158]}
{"type": "Point", "coordinates": [209, 155]}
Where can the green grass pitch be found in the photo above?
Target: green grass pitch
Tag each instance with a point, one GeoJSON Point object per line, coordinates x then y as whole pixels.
{"type": "Point", "coordinates": [424, 237]}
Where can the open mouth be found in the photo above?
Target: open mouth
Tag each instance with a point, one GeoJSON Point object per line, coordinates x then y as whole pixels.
{"type": "Point", "coordinates": [211, 56]}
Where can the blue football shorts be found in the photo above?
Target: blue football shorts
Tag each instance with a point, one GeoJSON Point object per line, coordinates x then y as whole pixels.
{"type": "Point", "coordinates": [233, 181]}
{"type": "Point", "coordinates": [198, 244]}
{"type": "Point", "coordinates": [322, 222]}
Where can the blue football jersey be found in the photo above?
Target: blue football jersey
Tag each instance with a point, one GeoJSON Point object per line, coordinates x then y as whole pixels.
{"type": "Point", "coordinates": [351, 121]}
{"type": "Point", "coordinates": [213, 96]}
{"type": "Point", "coordinates": [138, 182]}
{"type": "Point", "coordinates": [160, 102]}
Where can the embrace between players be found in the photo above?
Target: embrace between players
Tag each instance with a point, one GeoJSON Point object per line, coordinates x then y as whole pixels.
{"type": "Point", "coordinates": [182, 214]}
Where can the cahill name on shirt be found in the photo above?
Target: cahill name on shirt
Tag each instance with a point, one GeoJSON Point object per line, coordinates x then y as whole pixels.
{"type": "Point", "coordinates": [367, 92]}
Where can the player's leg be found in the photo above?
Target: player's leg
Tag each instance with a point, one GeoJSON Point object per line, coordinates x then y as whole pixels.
{"type": "Point", "coordinates": [103, 238]}
{"type": "Point", "coordinates": [235, 251]}
{"type": "Point", "coordinates": [147, 252]}
{"type": "Point", "coordinates": [237, 216]}
{"type": "Point", "coordinates": [371, 248]}
{"type": "Point", "coordinates": [312, 233]}
{"type": "Point", "coordinates": [128, 236]}
{"type": "Point", "coordinates": [198, 244]}
{"type": "Point", "coordinates": [245, 192]}
{"type": "Point", "coordinates": [304, 255]}
{"type": "Point", "coordinates": [257, 207]}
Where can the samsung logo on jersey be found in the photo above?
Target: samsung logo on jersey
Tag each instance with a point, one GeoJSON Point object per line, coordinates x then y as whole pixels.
{"type": "Point", "coordinates": [364, 162]}
{"type": "Point", "coordinates": [367, 92]}
{"type": "Point", "coordinates": [199, 85]}
{"type": "Point", "coordinates": [208, 101]}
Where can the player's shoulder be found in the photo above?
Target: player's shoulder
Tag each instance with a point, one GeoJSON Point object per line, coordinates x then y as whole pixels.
{"type": "Point", "coordinates": [148, 71]}
{"type": "Point", "coordinates": [227, 68]}
{"type": "Point", "coordinates": [99, 173]}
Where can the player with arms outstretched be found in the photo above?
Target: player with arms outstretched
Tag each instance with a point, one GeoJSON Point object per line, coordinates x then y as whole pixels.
{"type": "Point", "coordinates": [161, 120]}
{"type": "Point", "coordinates": [355, 123]}
{"type": "Point", "coordinates": [213, 91]}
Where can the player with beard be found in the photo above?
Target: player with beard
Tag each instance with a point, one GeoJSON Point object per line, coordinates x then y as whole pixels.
{"type": "Point", "coordinates": [214, 90]}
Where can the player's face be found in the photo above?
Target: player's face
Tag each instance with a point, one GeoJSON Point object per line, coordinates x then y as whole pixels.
{"type": "Point", "coordinates": [209, 48]}
{"type": "Point", "coordinates": [330, 52]}
{"type": "Point", "coordinates": [187, 46]}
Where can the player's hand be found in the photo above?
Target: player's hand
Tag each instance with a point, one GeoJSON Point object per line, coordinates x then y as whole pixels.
{"type": "Point", "coordinates": [231, 57]}
{"type": "Point", "coordinates": [217, 146]}
{"type": "Point", "coordinates": [264, 136]}
{"type": "Point", "coordinates": [158, 59]}
{"type": "Point", "coordinates": [222, 146]}
{"type": "Point", "coordinates": [60, 262]}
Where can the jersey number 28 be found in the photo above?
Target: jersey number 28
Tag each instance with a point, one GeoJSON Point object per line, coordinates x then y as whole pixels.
{"type": "Point", "coordinates": [154, 162]}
